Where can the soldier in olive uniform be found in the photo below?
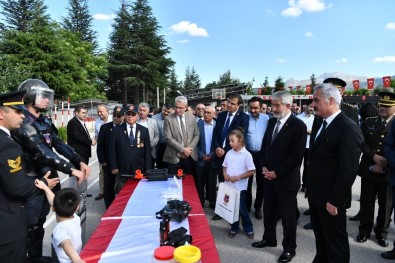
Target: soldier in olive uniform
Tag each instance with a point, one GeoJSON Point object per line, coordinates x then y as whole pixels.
{"type": "Point", "coordinates": [15, 186]}
{"type": "Point", "coordinates": [374, 173]}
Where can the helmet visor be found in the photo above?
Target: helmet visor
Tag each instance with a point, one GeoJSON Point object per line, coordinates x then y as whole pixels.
{"type": "Point", "coordinates": [44, 98]}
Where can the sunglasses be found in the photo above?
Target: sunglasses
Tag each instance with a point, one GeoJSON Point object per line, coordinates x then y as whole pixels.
{"type": "Point", "coordinates": [117, 116]}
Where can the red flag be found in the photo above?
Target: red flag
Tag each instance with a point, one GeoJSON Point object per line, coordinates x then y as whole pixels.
{"type": "Point", "coordinates": [259, 91]}
{"type": "Point", "coordinates": [308, 89]}
{"type": "Point", "coordinates": [298, 87]}
{"type": "Point", "coordinates": [370, 83]}
{"type": "Point", "coordinates": [290, 88]}
{"type": "Point", "coordinates": [355, 83]}
{"type": "Point", "coordinates": [387, 82]}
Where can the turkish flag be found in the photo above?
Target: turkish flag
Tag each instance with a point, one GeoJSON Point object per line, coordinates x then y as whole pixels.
{"type": "Point", "coordinates": [308, 89]}
{"type": "Point", "coordinates": [298, 87]}
{"type": "Point", "coordinates": [370, 83]}
{"type": "Point", "coordinates": [355, 83]}
{"type": "Point", "coordinates": [387, 82]}
{"type": "Point", "coordinates": [259, 91]}
{"type": "Point", "coordinates": [290, 88]}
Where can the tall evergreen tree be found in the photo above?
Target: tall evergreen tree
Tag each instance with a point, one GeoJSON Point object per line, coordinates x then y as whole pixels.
{"type": "Point", "coordinates": [137, 54]}
{"type": "Point", "coordinates": [195, 79]}
{"type": "Point", "coordinates": [187, 85]}
{"type": "Point", "coordinates": [22, 15]}
{"type": "Point", "coordinates": [80, 21]}
{"type": "Point", "coordinates": [174, 86]}
{"type": "Point", "coordinates": [313, 80]}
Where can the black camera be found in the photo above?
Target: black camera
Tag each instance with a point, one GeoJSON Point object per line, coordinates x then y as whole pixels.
{"type": "Point", "coordinates": [175, 210]}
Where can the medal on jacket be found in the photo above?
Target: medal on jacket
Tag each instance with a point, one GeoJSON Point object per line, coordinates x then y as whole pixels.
{"type": "Point", "coordinates": [138, 140]}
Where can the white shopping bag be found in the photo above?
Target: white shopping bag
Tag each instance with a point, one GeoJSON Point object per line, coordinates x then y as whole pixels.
{"type": "Point", "coordinates": [228, 202]}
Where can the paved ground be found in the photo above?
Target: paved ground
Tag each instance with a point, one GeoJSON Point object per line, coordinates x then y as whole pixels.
{"type": "Point", "coordinates": [238, 249]}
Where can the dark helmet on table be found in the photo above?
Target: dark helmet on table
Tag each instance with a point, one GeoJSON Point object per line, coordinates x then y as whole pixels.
{"type": "Point", "coordinates": [38, 94]}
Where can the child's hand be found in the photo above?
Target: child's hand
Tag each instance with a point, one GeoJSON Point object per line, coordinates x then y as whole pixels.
{"type": "Point", "coordinates": [40, 184]}
{"type": "Point", "coordinates": [234, 179]}
{"type": "Point", "coordinates": [226, 177]}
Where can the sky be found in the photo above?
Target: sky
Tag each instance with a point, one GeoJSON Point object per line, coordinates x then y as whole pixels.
{"type": "Point", "coordinates": [255, 39]}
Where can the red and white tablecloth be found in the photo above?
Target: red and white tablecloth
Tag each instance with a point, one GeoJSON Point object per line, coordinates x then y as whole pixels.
{"type": "Point", "coordinates": [129, 230]}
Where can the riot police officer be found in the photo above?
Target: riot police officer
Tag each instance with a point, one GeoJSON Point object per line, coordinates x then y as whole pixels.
{"type": "Point", "coordinates": [15, 187]}
{"type": "Point", "coordinates": [38, 136]}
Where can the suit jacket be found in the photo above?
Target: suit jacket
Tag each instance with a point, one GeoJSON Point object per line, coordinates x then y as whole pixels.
{"type": "Point", "coordinates": [389, 152]}
{"type": "Point", "coordinates": [128, 158]}
{"type": "Point", "coordinates": [153, 135]}
{"type": "Point", "coordinates": [202, 145]}
{"type": "Point", "coordinates": [333, 162]}
{"type": "Point", "coordinates": [173, 135]}
{"type": "Point", "coordinates": [374, 138]}
{"type": "Point", "coordinates": [78, 138]}
{"type": "Point", "coordinates": [15, 188]}
{"type": "Point", "coordinates": [240, 120]}
{"type": "Point", "coordinates": [103, 143]}
{"type": "Point", "coordinates": [285, 154]}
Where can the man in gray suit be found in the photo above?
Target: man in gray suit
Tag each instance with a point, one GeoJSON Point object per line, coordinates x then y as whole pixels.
{"type": "Point", "coordinates": [182, 136]}
{"type": "Point", "coordinates": [206, 176]}
{"type": "Point", "coordinates": [151, 125]}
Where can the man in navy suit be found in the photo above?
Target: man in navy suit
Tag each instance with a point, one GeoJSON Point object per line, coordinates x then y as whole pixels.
{"type": "Point", "coordinates": [233, 118]}
{"type": "Point", "coordinates": [282, 151]}
{"type": "Point", "coordinates": [103, 153]}
{"type": "Point", "coordinates": [227, 121]}
{"type": "Point", "coordinates": [205, 166]}
{"type": "Point", "coordinates": [78, 135]}
{"type": "Point", "coordinates": [130, 147]}
{"type": "Point", "coordinates": [335, 148]}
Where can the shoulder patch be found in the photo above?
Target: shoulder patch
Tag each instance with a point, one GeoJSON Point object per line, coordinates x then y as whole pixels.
{"type": "Point", "coordinates": [15, 165]}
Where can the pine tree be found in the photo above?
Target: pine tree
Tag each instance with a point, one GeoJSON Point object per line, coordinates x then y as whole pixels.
{"type": "Point", "coordinates": [80, 21]}
{"type": "Point", "coordinates": [174, 87]}
{"type": "Point", "coordinates": [195, 79]}
{"type": "Point", "coordinates": [22, 15]}
{"type": "Point", "coordinates": [313, 80]}
{"type": "Point", "coordinates": [137, 54]}
{"type": "Point", "coordinates": [187, 81]}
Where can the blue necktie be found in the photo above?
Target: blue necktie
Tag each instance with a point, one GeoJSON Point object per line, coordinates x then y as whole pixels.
{"type": "Point", "coordinates": [226, 129]}
{"type": "Point", "coordinates": [131, 136]}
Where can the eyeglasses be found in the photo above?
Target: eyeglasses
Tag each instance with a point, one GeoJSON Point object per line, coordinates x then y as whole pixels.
{"type": "Point", "coordinates": [131, 113]}
{"type": "Point", "coordinates": [207, 112]}
{"type": "Point", "coordinates": [117, 116]}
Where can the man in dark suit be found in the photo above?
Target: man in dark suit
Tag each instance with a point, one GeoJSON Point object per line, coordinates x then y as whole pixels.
{"type": "Point", "coordinates": [227, 121]}
{"type": "Point", "coordinates": [130, 147]}
{"type": "Point", "coordinates": [103, 153]}
{"type": "Point", "coordinates": [15, 186]}
{"type": "Point", "coordinates": [282, 152]}
{"type": "Point", "coordinates": [78, 135]}
{"type": "Point", "coordinates": [374, 173]}
{"type": "Point", "coordinates": [206, 176]}
{"type": "Point", "coordinates": [335, 148]}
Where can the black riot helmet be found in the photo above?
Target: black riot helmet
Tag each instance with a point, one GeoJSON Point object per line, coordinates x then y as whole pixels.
{"type": "Point", "coordinates": [37, 93]}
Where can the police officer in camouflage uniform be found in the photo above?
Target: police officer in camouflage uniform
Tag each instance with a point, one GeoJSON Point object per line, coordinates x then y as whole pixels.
{"type": "Point", "coordinates": [37, 137]}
